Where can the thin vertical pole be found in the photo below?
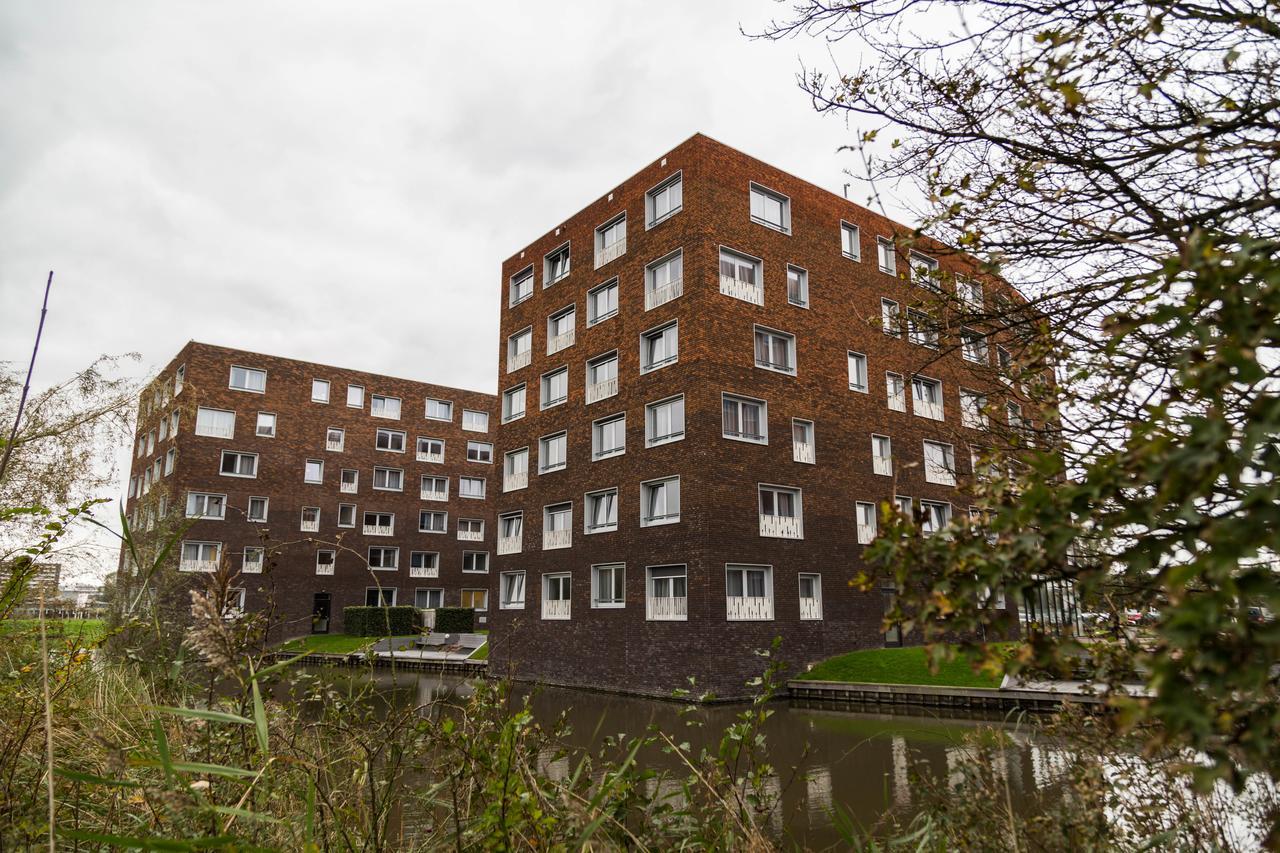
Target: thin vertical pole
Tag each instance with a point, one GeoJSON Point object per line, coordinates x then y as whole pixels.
{"type": "Point", "coordinates": [26, 388]}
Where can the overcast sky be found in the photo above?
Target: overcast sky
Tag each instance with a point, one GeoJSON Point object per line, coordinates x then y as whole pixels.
{"type": "Point", "coordinates": [339, 182]}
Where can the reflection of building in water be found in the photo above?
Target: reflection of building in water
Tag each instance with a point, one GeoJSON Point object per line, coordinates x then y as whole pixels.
{"type": "Point", "coordinates": [817, 785]}
{"type": "Point", "coordinates": [1048, 764]}
{"type": "Point", "coordinates": [554, 768]}
{"type": "Point", "coordinates": [901, 771]}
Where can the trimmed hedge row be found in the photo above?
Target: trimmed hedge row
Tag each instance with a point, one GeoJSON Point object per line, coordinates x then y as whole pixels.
{"type": "Point", "coordinates": [378, 621]}
{"type": "Point", "coordinates": [455, 620]}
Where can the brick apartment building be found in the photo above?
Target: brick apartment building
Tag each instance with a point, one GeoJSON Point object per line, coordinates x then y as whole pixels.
{"type": "Point", "coordinates": [345, 485]}
{"type": "Point", "coordinates": [701, 413]}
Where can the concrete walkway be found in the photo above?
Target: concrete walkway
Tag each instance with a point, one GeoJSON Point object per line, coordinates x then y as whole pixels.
{"type": "Point", "coordinates": [430, 647]}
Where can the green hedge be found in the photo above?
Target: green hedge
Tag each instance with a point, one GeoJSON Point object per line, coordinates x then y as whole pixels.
{"type": "Point", "coordinates": [377, 621]}
{"type": "Point", "coordinates": [455, 620]}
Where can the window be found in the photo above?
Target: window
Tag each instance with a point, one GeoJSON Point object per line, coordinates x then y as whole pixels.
{"type": "Point", "coordinates": [895, 392]}
{"type": "Point", "coordinates": [741, 277]}
{"type": "Point", "coordinates": [660, 502]}
{"type": "Point", "coordinates": [1013, 414]}
{"type": "Point", "coordinates": [310, 519]}
{"type": "Point", "coordinates": [479, 451]}
{"type": "Point", "coordinates": [384, 558]}
{"type": "Point", "coordinates": [858, 372]}
{"type": "Point", "coordinates": [886, 257]}
{"type": "Point", "coordinates": [173, 423]}
{"type": "Point", "coordinates": [557, 526]}
{"type": "Point", "coordinates": [511, 591]}
{"type": "Point", "coordinates": [179, 378]}
{"type": "Point", "coordinates": [424, 564]}
{"type": "Point", "coordinates": [602, 511]}
{"type": "Point", "coordinates": [973, 409]}
{"type": "Point", "coordinates": [552, 452]}
{"type": "Point", "coordinates": [667, 593]}
{"type": "Point", "coordinates": [248, 379]}
{"type": "Point", "coordinates": [659, 347]}
{"type": "Point", "coordinates": [313, 471]}
{"type": "Point", "coordinates": [810, 596]}
{"type": "Point", "coordinates": [474, 421]}
{"type": "Point", "coordinates": [664, 421]}
{"type": "Point", "coordinates": [513, 404]}
{"type": "Point", "coordinates": [798, 286]}
{"type": "Point", "coordinates": [882, 455]}
{"type": "Point", "coordinates": [390, 439]}
{"type": "Point", "coordinates": [439, 410]}
{"type": "Point", "coordinates": [555, 596]}
{"type": "Point", "coordinates": [319, 390]}
{"type": "Point", "coordinates": [866, 519]}
{"type": "Point", "coordinates": [475, 562]}
{"type": "Point", "coordinates": [602, 302]}
{"type": "Point", "coordinates": [521, 286]}
{"type": "Point", "coordinates": [430, 449]}
{"type": "Point", "coordinates": [349, 480]}
{"type": "Point", "coordinates": [608, 585]}
{"type": "Point", "coordinates": [890, 318]}
{"type": "Point", "coordinates": [555, 266]}
{"type": "Point", "coordinates": [602, 377]}
{"type": "Point", "coordinates": [430, 521]}
{"type": "Point", "coordinates": [253, 558]}
{"type": "Point", "coordinates": [471, 529]}
{"type": "Point", "coordinates": [1004, 359]}
{"type": "Point", "coordinates": [924, 271]}
{"type": "Point", "coordinates": [151, 442]}
{"type": "Point", "coordinates": [802, 448]}
{"type": "Point", "coordinates": [904, 506]}
{"type": "Point", "coordinates": [325, 561]}
{"type": "Point", "coordinates": [745, 419]}
{"type": "Point", "coordinates": [560, 330]}
{"type": "Point", "coordinates": [611, 240]}
{"type": "Point", "coordinates": [973, 346]}
{"type": "Point", "coordinates": [770, 208]}
{"type": "Point", "coordinates": [200, 556]}
{"type": "Point", "coordinates": [775, 350]}
{"type": "Point", "coordinates": [850, 241]}
{"type": "Point", "coordinates": [939, 463]}
{"type": "Point", "coordinates": [926, 398]}
{"type": "Point", "coordinates": [935, 516]}
{"type": "Point", "coordinates": [519, 349]}
{"type": "Point", "coordinates": [257, 510]}
{"type": "Point", "coordinates": [170, 458]}
{"type": "Point", "coordinates": [428, 598]}
{"type": "Point", "coordinates": [515, 470]}
{"type": "Point", "coordinates": [555, 388]}
{"type": "Point", "coordinates": [384, 407]}
{"type": "Point", "coordinates": [921, 329]}
{"type": "Point", "coordinates": [379, 596]}
{"type": "Point", "coordinates": [355, 396]}
{"type": "Point", "coordinates": [164, 429]}
{"type": "Point", "coordinates": [969, 292]}
{"type": "Point", "coordinates": [434, 489]}
{"type": "Point", "coordinates": [664, 280]}
{"type": "Point", "coordinates": [201, 505]}
{"type": "Point", "coordinates": [215, 423]}
{"type": "Point", "coordinates": [471, 487]}
{"type": "Point", "coordinates": [266, 427]}
{"type": "Point", "coordinates": [346, 515]}
{"type": "Point", "coordinates": [609, 436]}
{"type": "Point", "coordinates": [664, 200]}
{"type": "Point", "coordinates": [510, 527]}
{"type": "Point", "coordinates": [334, 439]}
{"type": "Point", "coordinates": [388, 479]}
{"type": "Point", "coordinates": [235, 464]}
{"type": "Point", "coordinates": [748, 592]}
{"type": "Point", "coordinates": [781, 502]}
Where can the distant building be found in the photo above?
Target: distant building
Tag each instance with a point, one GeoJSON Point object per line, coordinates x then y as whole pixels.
{"type": "Point", "coordinates": [43, 582]}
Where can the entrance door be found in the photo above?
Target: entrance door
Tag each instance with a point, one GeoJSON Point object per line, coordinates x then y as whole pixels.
{"type": "Point", "coordinates": [320, 613]}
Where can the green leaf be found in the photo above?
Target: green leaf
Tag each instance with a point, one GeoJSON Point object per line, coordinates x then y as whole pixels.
{"type": "Point", "coordinates": [204, 714]}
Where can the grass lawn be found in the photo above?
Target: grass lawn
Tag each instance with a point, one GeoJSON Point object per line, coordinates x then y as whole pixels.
{"type": "Point", "coordinates": [900, 666]}
{"type": "Point", "coordinates": [481, 653]}
{"type": "Point", "coordinates": [333, 644]}
{"type": "Point", "coordinates": [85, 631]}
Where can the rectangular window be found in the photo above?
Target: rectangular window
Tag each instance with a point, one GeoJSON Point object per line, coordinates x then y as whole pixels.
{"type": "Point", "coordinates": [810, 596]}
{"type": "Point", "coordinates": [179, 378]}
{"type": "Point", "coordinates": [479, 451]}
{"type": "Point", "coordinates": [798, 286]}
{"type": "Point", "coordinates": [471, 529]}
{"type": "Point", "coordinates": [424, 564]}
{"type": "Point", "coordinates": [608, 585]}
{"type": "Point", "coordinates": [659, 347]}
{"type": "Point", "coordinates": [890, 318]}
{"type": "Point", "coordinates": [355, 396]}
{"type": "Point", "coordinates": [310, 519]}
{"type": "Point", "coordinates": [748, 592]}
{"type": "Point", "coordinates": [926, 398]}
{"type": "Point", "coordinates": [664, 421]}
{"type": "Point", "coordinates": [200, 556]}
{"type": "Point", "coordinates": [775, 350]}
{"type": "Point", "coordinates": [349, 481]}
{"type": "Point", "coordinates": [969, 292]}
{"type": "Point", "coordinates": [611, 240]}
{"type": "Point", "coordinates": [934, 516]}
{"type": "Point", "coordinates": [513, 404]}
{"type": "Point", "coordinates": [886, 256]}
{"type": "Point", "coordinates": [555, 388]}
{"type": "Point", "coordinates": [236, 464]}
{"type": "Point", "coordinates": [390, 439]}
{"type": "Point", "coordinates": [602, 302]}
{"type": "Point", "coordinates": [319, 390]}
{"type": "Point", "coordinates": [745, 419]}
{"type": "Point", "coordinates": [215, 423]}
{"type": "Point", "coordinates": [379, 524]}
{"type": "Point", "coordinates": [511, 590]}
{"type": "Point", "coordinates": [439, 410]}
{"type": "Point", "coordinates": [380, 596]}
{"type": "Point", "coordinates": [346, 515]}
{"type": "Point", "coordinates": [802, 446]}
{"type": "Point", "coordinates": [602, 377]}
{"type": "Point", "coordinates": [601, 511]}
{"type": "Point", "coordinates": [471, 487]}
{"type": "Point", "coordinates": [430, 521]}
{"type": "Point", "coordinates": [556, 596]}
{"type": "Point", "coordinates": [257, 510]}
{"type": "Point", "coordinates": [521, 286]}
{"type": "Point", "coordinates": [741, 277]}
{"type": "Point", "coordinates": [770, 208]}
{"type": "Point", "coordinates": [1004, 359]}
{"type": "Point", "coordinates": [561, 330]}
{"type": "Point", "coordinates": [475, 562]}
{"type": "Point", "coordinates": [552, 452]}
{"type": "Point", "coordinates": [334, 439]}
{"type": "Point", "coordinates": [388, 479]}
{"type": "Point", "coordinates": [474, 421]}
{"type": "Point", "coordinates": [430, 449]}
{"type": "Point", "coordinates": [253, 559]}
{"type": "Point", "coordinates": [866, 519]}
{"type": "Point", "coordinates": [519, 349]}
{"type": "Point", "coordinates": [434, 489]}
{"type": "Point", "coordinates": [895, 392]}
{"type": "Point", "coordinates": [384, 407]}
{"type": "Point", "coordinates": [555, 265]}
{"type": "Point", "coordinates": [384, 558]}
{"type": "Point", "coordinates": [921, 329]}
{"type": "Point", "coordinates": [667, 593]}
{"type": "Point", "coordinates": [924, 271]}
{"type": "Point", "coordinates": [515, 470]}
{"type": "Point", "coordinates": [170, 458]}
{"type": "Point", "coordinates": [557, 526]}
{"type": "Point", "coordinates": [858, 372]}
{"type": "Point", "coordinates": [510, 528]}
{"type": "Point", "coordinates": [882, 455]}
{"type": "Point", "coordinates": [313, 471]}
{"type": "Point", "coordinates": [201, 505]}
{"type": "Point", "coordinates": [325, 561]}
{"type": "Point", "coordinates": [609, 436]}
{"type": "Point", "coordinates": [428, 598]}
{"type": "Point", "coordinates": [850, 241]}
{"type": "Point", "coordinates": [939, 463]}
{"type": "Point", "coordinates": [248, 379]}
{"type": "Point", "coordinates": [904, 506]}
{"type": "Point", "coordinates": [973, 409]}
{"type": "Point", "coordinates": [266, 427]}
{"type": "Point", "coordinates": [660, 502]}
{"type": "Point", "coordinates": [973, 346]}
{"type": "Point", "coordinates": [666, 199]}
{"type": "Point", "coordinates": [173, 423]}
{"type": "Point", "coordinates": [781, 516]}
{"type": "Point", "coordinates": [664, 280]}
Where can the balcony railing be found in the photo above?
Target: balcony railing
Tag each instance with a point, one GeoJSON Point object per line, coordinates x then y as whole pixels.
{"type": "Point", "coordinates": [601, 390]}
{"type": "Point", "coordinates": [509, 545]}
{"type": "Point", "coordinates": [608, 253]}
{"type": "Point", "coordinates": [882, 465]}
{"type": "Point", "coordinates": [667, 608]}
{"type": "Point", "coordinates": [939, 475]}
{"type": "Point", "coordinates": [424, 456]}
{"type": "Point", "coordinates": [198, 566]}
{"type": "Point", "coordinates": [898, 402]}
{"type": "Point", "coordinates": [331, 444]}
{"type": "Point", "coordinates": [656, 296]}
{"type": "Point", "coordinates": [810, 608]}
{"type": "Point", "coordinates": [324, 568]}
{"type": "Point", "coordinates": [929, 410]}
{"type": "Point", "coordinates": [471, 535]}
{"type": "Point", "coordinates": [379, 530]}
{"type": "Point", "coordinates": [802, 451]}
{"type": "Point", "coordinates": [555, 608]}
{"type": "Point", "coordinates": [561, 341]}
{"type": "Point", "coordinates": [741, 608]}
{"type": "Point", "coordinates": [557, 539]}
{"type": "Point", "coordinates": [744, 290]}
{"type": "Point", "coordinates": [866, 534]}
{"type": "Point", "coordinates": [781, 527]}
{"type": "Point", "coordinates": [252, 567]}
{"type": "Point", "coordinates": [348, 488]}
{"type": "Point", "coordinates": [514, 480]}
{"type": "Point", "coordinates": [310, 526]}
{"type": "Point", "coordinates": [424, 571]}
{"type": "Point", "coordinates": [433, 495]}
{"type": "Point", "coordinates": [211, 430]}
{"type": "Point", "coordinates": [519, 360]}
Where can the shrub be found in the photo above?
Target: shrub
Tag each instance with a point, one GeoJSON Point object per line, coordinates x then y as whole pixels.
{"type": "Point", "coordinates": [377, 621]}
{"type": "Point", "coordinates": [455, 620]}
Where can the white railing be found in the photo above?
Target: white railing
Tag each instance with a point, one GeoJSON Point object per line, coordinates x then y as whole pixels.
{"type": "Point", "coordinates": [882, 465]}
{"type": "Point", "coordinates": [601, 390]}
{"type": "Point", "coordinates": [662, 295]}
{"type": "Point", "coordinates": [515, 480]}
{"type": "Point", "coordinates": [744, 290]}
{"type": "Point", "coordinates": [213, 431]}
{"type": "Point", "coordinates": [379, 530]}
{"type": "Point", "coordinates": [349, 488]}
{"type": "Point", "coordinates": [519, 360]}
{"type": "Point", "coordinates": [330, 444]}
{"type": "Point", "coordinates": [310, 526]}
{"type": "Point", "coordinates": [555, 608]}
{"type": "Point", "coordinates": [973, 420]}
{"type": "Point", "coordinates": [667, 608]}
{"type": "Point", "coordinates": [430, 457]}
{"type": "Point", "coordinates": [252, 567]}
{"type": "Point", "coordinates": [608, 253]}
{"type": "Point", "coordinates": [557, 539]}
{"type": "Point", "coordinates": [932, 411]}
{"type": "Point", "coordinates": [866, 534]}
{"type": "Point", "coordinates": [939, 475]}
{"type": "Point", "coordinates": [559, 342]}
{"type": "Point", "coordinates": [749, 608]}
{"type": "Point", "coordinates": [802, 451]}
{"type": "Point", "coordinates": [810, 608]}
{"type": "Point", "coordinates": [198, 566]}
{"type": "Point", "coordinates": [471, 535]}
{"type": "Point", "coordinates": [898, 402]}
{"type": "Point", "coordinates": [781, 527]}
{"type": "Point", "coordinates": [508, 544]}
{"type": "Point", "coordinates": [433, 495]}
{"type": "Point", "coordinates": [324, 568]}
{"type": "Point", "coordinates": [424, 571]}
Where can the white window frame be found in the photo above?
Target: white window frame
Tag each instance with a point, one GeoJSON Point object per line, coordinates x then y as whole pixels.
{"type": "Point", "coordinates": [231, 433]}
{"type": "Point", "coordinates": [505, 588]}
{"type": "Point", "coordinates": [847, 228]}
{"type": "Point", "coordinates": [517, 357]}
{"type": "Point", "coordinates": [661, 330]}
{"type": "Point", "coordinates": [804, 451]}
{"type": "Point", "coordinates": [739, 288]}
{"type": "Point", "coordinates": [306, 472]}
{"type": "Point", "coordinates": [271, 421]}
{"type": "Point", "coordinates": [320, 385]}
{"type": "Point", "coordinates": [514, 286]}
{"type": "Point", "coordinates": [919, 261]}
{"type": "Point", "coordinates": [604, 253]}
{"type": "Point", "coordinates": [473, 415]}
{"type": "Point", "coordinates": [890, 317]}
{"type": "Point", "coordinates": [791, 368]}
{"type": "Point", "coordinates": [594, 364]}
{"type": "Point", "coordinates": [559, 580]}
{"type": "Point", "coordinates": [651, 216]}
{"type": "Point", "coordinates": [749, 613]}
{"type": "Point", "coordinates": [464, 481]}
{"type": "Point", "coordinates": [865, 521]}
{"type": "Point", "coordinates": [617, 572]}
{"type": "Point", "coordinates": [897, 402]}
{"type": "Point", "coordinates": [443, 515]}
{"type": "Point", "coordinates": [886, 256]}
{"type": "Point", "coordinates": [238, 454]}
{"type": "Point", "coordinates": [764, 194]}
{"type": "Point", "coordinates": [859, 359]}
{"type": "Point", "coordinates": [383, 550]}
{"type": "Point", "coordinates": [358, 392]}
{"type": "Point", "coordinates": [472, 591]}
{"type": "Point", "coordinates": [923, 330]}
{"type": "Point", "coordinates": [592, 297]}
{"type": "Point", "coordinates": [248, 510]}
{"type": "Point", "coordinates": [544, 402]}
{"type": "Point", "coordinates": [815, 611]}
{"type": "Point", "coordinates": [651, 440]}
{"type": "Point", "coordinates": [560, 341]}
{"type": "Point", "coordinates": [508, 412]}
{"type": "Point", "coordinates": [666, 613]}
{"type": "Point", "coordinates": [548, 261]}
{"type": "Point", "coordinates": [345, 507]}
{"type": "Point", "coordinates": [668, 517]}
{"type": "Point", "coordinates": [939, 463]}
{"type": "Point", "coordinates": [881, 463]}
{"type": "Point", "coordinates": [390, 434]}
{"type": "Point", "coordinates": [739, 399]}
{"type": "Point", "coordinates": [204, 514]}
{"type": "Point", "coordinates": [932, 411]}
{"type": "Point", "coordinates": [803, 278]}
{"type": "Point", "coordinates": [437, 495]}
{"type": "Point", "coordinates": [388, 471]}
{"type": "Point", "coordinates": [385, 399]}
{"type": "Point", "coordinates": [596, 431]}
{"type": "Point", "coordinates": [588, 513]}
{"type": "Point", "coordinates": [544, 443]}
{"type": "Point", "coordinates": [973, 346]}
{"type": "Point", "coordinates": [473, 555]}
{"type": "Point", "coordinates": [973, 414]}
{"type": "Point", "coordinates": [248, 371]}
{"type": "Point", "coordinates": [482, 448]}
{"type": "Point", "coordinates": [426, 409]}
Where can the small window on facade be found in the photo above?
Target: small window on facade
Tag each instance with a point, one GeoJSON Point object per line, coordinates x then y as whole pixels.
{"type": "Point", "coordinates": [939, 463]}
{"type": "Point", "coordinates": [973, 346]}
{"type": "Point", "coordinates": [866, 520]}
{"type": "Point", "coordinates": [770, 208]}
{"type": "Point", "coordinates": [659, 347]}
{"type": "Point", "coordinates": [390, 439]}
{"type": "Point", "coordinates": [664, 421]}
{"type": "Point", "coordinates": [850, 241]}
{"type": "Point", "coordinates": [430, 521]}
{"type": "Point", "coordinates": [387, 559]}
{"type": "Point", "coordinates": [890, 318]}
{"type": "Point", "coordinates": [608, 585]}
{"type": "Point", "coordinates": [664, 280]}
{"type": "Point", "coordinates": [560, 330]}
{"type": "Point", "coordinates": [745, 419]}
{"type": "Point", "coordinates": [798, 286]}
{"type": "Point", "coordinates": [434, 488]}
{"type": "Point", "coordinates": [471, 487]}
{"type": "Point", "coordinates": [248, 379]}
{"type": "Point", "coordinates": [439, 410]}
{"type": "Point", "coordinates": [886, 256]}
{"type": "Point", "coordinates": [201, 505]}
{"type": "Point", "coordinates": [179, 379]}
{"type": "Point", "coordinates": [924, 271]}
{"type": "Point", "coordinates": [858, 372]}
{"type": "Point", "coordinates": [557, 526]}
{"type": "Point", "coordinates": [215, 423]}
{"type": "Point", "coordinates": [611, 240]}
{"type": "Point", "coordinates": [521, 286]}
{"type": "Point", "coordinates": [319, 390]}
{"type": "Point", "coordinates": [748, 592]}
{"type": "Point", "coordinates": [388, 479]}
{"type": "Point", "coordinates": [266, 427]}
{"type": "Point", "coordinates": [555, 388]}
{"type": "Point", "coordinates": [313, 471]}
{"type": "Point", "coordinates": [235, 464]}
{"type": "Point", "coordinates": [741, 277]}
{"type": "Point", "coordinates": [973, 409]}
{"type": "Point", "coordinates": [666, 593]}
{"type": "Point", "coordinates": [922, 329]}
{"type": "Point", "coordinates": [601, 514]}
{"type": "Point", "coordinates": [513, 404]}
{"type": "Point", "coordinates": [895, 392]}
{"type": "Point", "coordinates": [602, 302]}
{"type": "Point", "coordinates": [552, 452]}
{"type": "Point", "coordinates": [474, 421]}
{"type": "Point", "coordinates": [515, 470]}
{"type": "Point", "coordinates": [519, 350]}
{"type": "Point", "coordinates": [346, 515]}
{"type": "Point", "coordinates": [775, 350]}
{"type": "Point", "coordinates": [934, 516]}
{"type": "Point", "coordinates": [511, 589]}
{"type": "Point", "coordinates": [666, 199]}
{"type": "Point", "coordinates": [257, 511]}
{"type": "Point", "coordinates": [479, 451]}
{"type": "Point", "coordinates": [475, 562]}
{"type": "Point", "coordinates": [430, 449]}
{"type": "Point", "coordinates": [556, 599]}
{"type": "Point", "coordinates": [926, 398]}
{"type": "Point", "coordinates": [802, 447]}
{"type": "Point", "coordinates": [384, 407]}
{"type": "Point", "coordinates": [882, 455]}
{"type": "Point", "coordinates": [556, 266]}
{"type": "Point", "coordinates": [969, 292]}
{"type": "Point", "coordinates": [660, 502]}
{"type": "Point", "coordinates": [609, 436]}
{"type": "Point", "coordinates": [355, 396]}
{"type": "Point", "coordinates": [602, 377]}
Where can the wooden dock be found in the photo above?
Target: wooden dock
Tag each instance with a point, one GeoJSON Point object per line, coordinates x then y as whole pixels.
{"type": "Point", "coordinates": [926, 696]}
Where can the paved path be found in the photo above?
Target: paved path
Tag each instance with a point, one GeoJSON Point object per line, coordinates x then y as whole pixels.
{"type": "Point", "coordinates": [406, 648]}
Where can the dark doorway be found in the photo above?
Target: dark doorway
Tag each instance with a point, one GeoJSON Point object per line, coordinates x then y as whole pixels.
{"type": "Point", "coordinates": [320, 613]}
